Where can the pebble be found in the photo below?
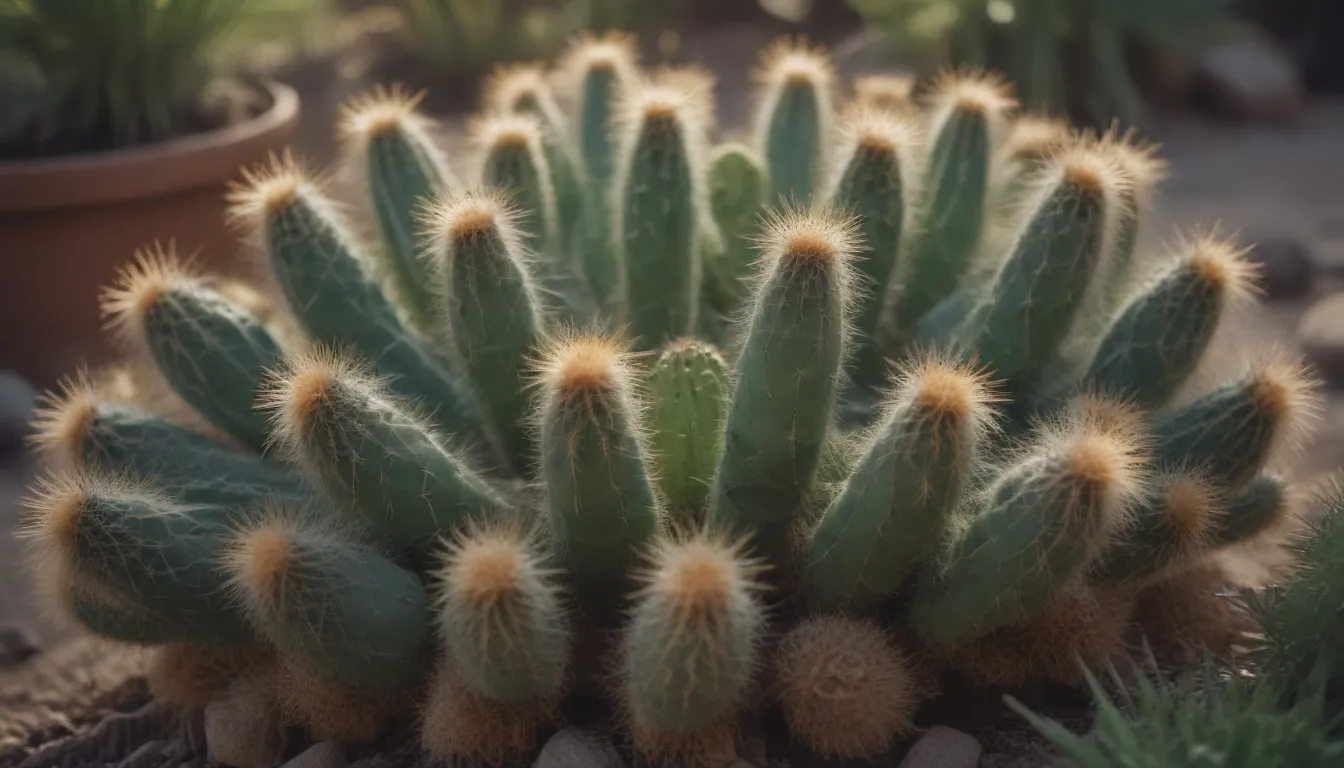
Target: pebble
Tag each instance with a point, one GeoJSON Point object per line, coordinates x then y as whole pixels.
{"type": "Point", "coordinates": [943, 747]}
{"type": "Point", "coordinates": [1251, 79]}
{"type": "Point", "coordinates": [327, 754]}
{"type": "Point", "coordinates": [1321, 334]}
{"type": "Point", "coordinates": [1286, 267]}
{"type": "Point", "coordinates": [16, 646]}
{"type": "Point", "coordinates": [574, 748]}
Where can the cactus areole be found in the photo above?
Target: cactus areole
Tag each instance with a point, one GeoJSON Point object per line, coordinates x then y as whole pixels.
{"type": "Point", "coordinates": [605, 409]}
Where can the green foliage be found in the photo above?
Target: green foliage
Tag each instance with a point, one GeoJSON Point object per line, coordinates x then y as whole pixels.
{"type": "Point", "coordinates": [82, 75]}
{"type": "Point", "coordinates": [1067, 57]}
{"type": "Point", "coordinates": [1202, 721]}
{"type": "Point", "coordinates": [471, 467]}
{"type": "Point", "coordinates": [464, 38]}
{"type": "Point", "coordinates": [1303, 637]}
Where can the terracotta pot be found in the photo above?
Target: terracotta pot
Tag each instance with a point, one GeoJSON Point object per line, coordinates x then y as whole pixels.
{"type": "Point", "coordinates": [67, 223]}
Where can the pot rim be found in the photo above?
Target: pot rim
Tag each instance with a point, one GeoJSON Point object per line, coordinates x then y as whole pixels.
{"type": "Point", "coordinates": [181, 163]}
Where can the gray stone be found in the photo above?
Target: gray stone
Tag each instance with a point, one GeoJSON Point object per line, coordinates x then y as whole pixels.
{"type": "Point", "coordinates": [573, 748]}
{"type": "Point", "coordinates": [1252, 79]}
{"type": "Point", "coordinates": [328, 754]}
{"type": "Point", "coordinates": [1286, 268]}
{"type": "Point", "coordinates": [1321, 334]}
{"type": "Point", "coordinates": [16, 646]}
{"type": "Point", "coordinates": [943, 747]}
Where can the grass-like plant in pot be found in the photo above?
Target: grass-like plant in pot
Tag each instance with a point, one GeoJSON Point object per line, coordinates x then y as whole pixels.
{"type": "Point", "coordinates": [606, 417]}
{"type": "Point", "coordinates": [120, 118]}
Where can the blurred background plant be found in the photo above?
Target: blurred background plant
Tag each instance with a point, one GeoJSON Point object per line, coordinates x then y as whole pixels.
{"type": "Point", "coordinates": [1076, 58]}
{"type": "Point", "coordinates": [91, 75]}
{"type": "Point", "coordinates": [459, 39]}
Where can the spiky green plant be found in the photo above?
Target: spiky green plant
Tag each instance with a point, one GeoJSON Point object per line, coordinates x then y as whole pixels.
{"type": "Point", "coordinates": [606, 408]}
{"type": "Point", "coordinates": [87, 75]}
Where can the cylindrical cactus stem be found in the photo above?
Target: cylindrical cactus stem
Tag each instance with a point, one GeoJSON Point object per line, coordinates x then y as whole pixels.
{"type": "Point", "coordinates": [689, 390]}
{"type": "Point", "coordinates": [969, 111]}
{"type": "Point", "coordinates": [1260, 505]}
{"type": "Point", "coordinates": [1028, 146]}
{"type": "Point", "coordinates": [372, 453]}
{"type": "Point", "coordinates": [79, 430]}
{"type": "Point", "coordinates": [897, 504]}
{"type": "Point", "coordinates": [331, 287]}
{"type": "Point", "coordinates": [1143, 170]}
{"type": "Point", "coordinates": [658, 210]}
{"type": "Point", "coordinates": [1174, 524]}
{"type": "Point", "coordinates": [594, 461]}
{"type": "Point", "coordinates": [500, 615]}
{"type": "Point", "coordinates": [495, 317]}
{"type": "Point", "coordinates": [119, 542]}
{"type": "Point", "coordinates": [329, 605]}
{"type": "Point", "coordinates": [690, 651]}
{"type": "Point", "coordinates": [212, 352]}
{"type": "Point", "coordinates": [389, 147]}
{"type": "Point", "coordinates": [847, 692]}
{"type": "Point", "coordinates": [512, 161]}
{"type": "Point", "coordinates": [123, 623]}
{"type": "Point", "coordinates": [796, 84]}
{"type": "Point", "coordinates": [1160, 337]}
{"type": "Point", "coordinates": [887, 92]}
{"type": "Point", "coordinates": [874, 183]}
{"type": "Point", "coordinates": [1039, 527]}
{"type": "Point", "coordinates": [737, 190]}
{"type": "Point", "coordinates": [1041, 287]}
{"type": "Point", "coordinates": [795, 333]}
{"type": "Point", "coordinates": [1230, 432]}
{"type": "Point", "coordinates": [523, 89]}
{"type": "Point", "coordinates": [598, 70]}
{"type": "Point", "coordinates": [94, 609]}
{"type": "Point", "coordinates": [599, 73]}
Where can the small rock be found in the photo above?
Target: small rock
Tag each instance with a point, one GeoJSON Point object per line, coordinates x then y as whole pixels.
{"type": "Point", "coordinates": [150, 755]}
{"type": "Point", "coordinates": [193, 734]}
{"type": "Point", "coordinates": [242, 726]}
{"type": "Point", "coordinates": [1321, 333]}
{"type": "Point", "coordinates": [328, 754]}
{"type": "Point", "coordinates": [573, 748]}
{"type": "Point", "coordinates": [16, 646]}
{"type": "Point", "coordinates": [1286, 268]}
{"type": "Point", "coordinates": [1250, 78]}
{"type": "Point", "coordinates": [943, 747]}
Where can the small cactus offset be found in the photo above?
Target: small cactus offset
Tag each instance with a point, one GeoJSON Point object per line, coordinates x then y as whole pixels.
{"type": "Point", "coordinates": [605, 412]}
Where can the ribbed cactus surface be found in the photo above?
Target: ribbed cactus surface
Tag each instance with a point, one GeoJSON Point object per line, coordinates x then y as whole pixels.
{"type": "Point", "coordinates": [605, 406]}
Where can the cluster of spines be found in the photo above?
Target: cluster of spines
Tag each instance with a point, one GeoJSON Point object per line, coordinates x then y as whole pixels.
{"type": "Point", "coordinates": [439, 365]}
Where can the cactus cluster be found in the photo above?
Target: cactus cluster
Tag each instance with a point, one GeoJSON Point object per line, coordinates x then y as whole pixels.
{"type": "Point", "coordinates": [614, 407]}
